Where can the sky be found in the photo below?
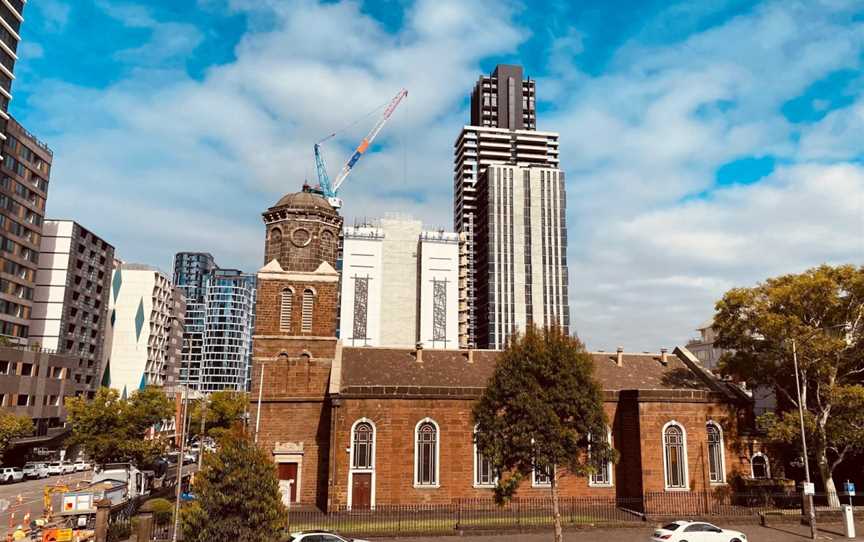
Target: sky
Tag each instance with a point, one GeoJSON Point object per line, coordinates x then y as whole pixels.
{"type": "Point", "coordinates": [706, 145]}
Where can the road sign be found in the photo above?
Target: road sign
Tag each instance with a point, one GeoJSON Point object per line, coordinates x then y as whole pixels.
{"type": "Point", "coordinates": [64, 535]}
{"type": "Point", "coordinates": [809, 488]}
{"type": "Point", "coordinates": [849, 488]}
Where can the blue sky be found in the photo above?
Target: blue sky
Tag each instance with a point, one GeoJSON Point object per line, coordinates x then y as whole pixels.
{"type": "Point", "coordinates": [706, 144]}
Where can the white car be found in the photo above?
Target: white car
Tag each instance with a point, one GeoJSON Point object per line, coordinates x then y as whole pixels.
{"type": "Point", "coordinates": [695, 531]}
{"type": "Point", "coordinates": [68, 468]}
{"type": "Point", "coordinates": [36, 470]}
{"type": "Point", "coordinates": [321, 536]}
{"type": "Point", "coordinates": [81, 466]}
{"type": "Point", "coordinates": [11, 474]}
{"type": "Point", "coordinates": [55, 468]}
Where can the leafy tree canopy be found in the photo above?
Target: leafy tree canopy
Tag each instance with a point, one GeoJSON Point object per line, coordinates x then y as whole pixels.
{"type": "Point", "coordinates": [110, 429]}
{"type": "Point", "coordinates": [223, 409]}
{"type": "Point", "coordinates": [238, 495]}
{"type": "Point", "coordinates": [821, 313]}
{"type": "Point", "coordinates": [539, 408]}
{"type": "Point", "coordinates": [12, 427]}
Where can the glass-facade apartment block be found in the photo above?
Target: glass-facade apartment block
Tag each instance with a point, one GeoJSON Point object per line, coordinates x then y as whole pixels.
{"type": "Point", "coordinates": [220, 318]}
{"type": "Point", "coordinates": [191, 270]}
{"type": "Point", "coordinates": [228, 325]}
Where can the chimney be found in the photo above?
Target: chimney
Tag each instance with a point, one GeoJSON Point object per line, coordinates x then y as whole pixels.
{"type": "Point", "coordinates": [619, 356]}
{"type": "Point", "coordinates": [419, 353]}
{"type": "Point", "coordinates": [664, 357]}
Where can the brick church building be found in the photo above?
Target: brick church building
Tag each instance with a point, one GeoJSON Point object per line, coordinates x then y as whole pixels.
{"type": "Point", "coordinates": [360, 427]}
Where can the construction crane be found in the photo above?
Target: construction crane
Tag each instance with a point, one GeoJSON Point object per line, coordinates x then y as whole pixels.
{"type": "Point", "coordinates": [330, 190]}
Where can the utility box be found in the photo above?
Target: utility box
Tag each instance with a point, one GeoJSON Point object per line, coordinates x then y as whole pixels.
{"type": "Point", "coordinates": [848, 521]}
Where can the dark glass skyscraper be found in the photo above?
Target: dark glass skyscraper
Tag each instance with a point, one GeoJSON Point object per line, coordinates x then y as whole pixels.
{"type": "Point", "coordinates": [220, 316]}
{"type": "Point", "coordinates": [191, 270]}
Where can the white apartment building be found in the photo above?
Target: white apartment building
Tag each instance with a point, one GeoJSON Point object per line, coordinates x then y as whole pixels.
{"type": "Point", "coordinates": [142, 305]}
{"type": "Point", "coordinates": [475, 150]}
{"type": "Point", "coordinates": [399, 285]}
{"type": "Point", "coordinates": [521, 252]}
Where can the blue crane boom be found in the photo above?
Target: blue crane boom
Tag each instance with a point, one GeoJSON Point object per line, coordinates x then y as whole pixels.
{"type": "Point", "coordinates": [330, 190]}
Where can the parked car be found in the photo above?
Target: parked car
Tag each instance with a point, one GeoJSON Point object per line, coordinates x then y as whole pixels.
{"type": "Point", "coordinates": [11, 474]}
{"type": "Point", "coordinates": [36, 470]}
{"type": "Point", "coordinates": [55, 468]}
{"type": "Point", "coordinates": [81, 466]}
{"type": "Point", "coordinates": [696, 531]}
{"type": "Point", "coordinates": [68, 468]}
{"type": "Point", "coordinates": [321, 536]}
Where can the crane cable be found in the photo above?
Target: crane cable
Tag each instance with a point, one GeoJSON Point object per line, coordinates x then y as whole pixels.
{"type": "Point", "coordinates": [356, 122]}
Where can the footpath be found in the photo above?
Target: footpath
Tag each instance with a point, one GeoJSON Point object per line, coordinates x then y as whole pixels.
{"type": "Point", "coordinates": [780, 532]}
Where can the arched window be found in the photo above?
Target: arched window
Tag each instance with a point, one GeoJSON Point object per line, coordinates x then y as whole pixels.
{"type": "Point", "coordinates": [285, 308]}
{"type": "Point", "coordinates": [675, 456]}
{"type": "Point", "coordinates": [308, 302]}
{"type": "Point", "coordinates": [362, 446]}
{"type": "Point", "coordinates": [603, 476]}
{"type": "Point", "coordinates": [716, 468]}
{"type": "Point", "coordinates": [426, 454]}
{"type": "Point", "coordinates": [483, 473]}
{"type": "Point", "coordinates": [759, 467]}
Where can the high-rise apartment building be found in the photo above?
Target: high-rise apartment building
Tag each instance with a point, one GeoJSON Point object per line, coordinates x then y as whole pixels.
{"type": "Point", "coordinates": [399, 285]}
{"type": "Point", "coordinates": [191, 270]}
{"type": "Point", "coordinates": [72, 289]}
{"type": "Point", "coordinates": [504, 99]}
{"type": "Point", "coordinates": [220, 309]}
{"type": "Point", "coordinates": [24, 173]}
{"type": "Point", "coordinates": [228, 325]}
{"type": "Point", "coordinates": [503, 132]}
{"type": "Point", "coordinates": [521, 252]}
{"type": "Point", "coordinates": [142, 306]}
{"type": "Point", "coordinates": [11, 12]}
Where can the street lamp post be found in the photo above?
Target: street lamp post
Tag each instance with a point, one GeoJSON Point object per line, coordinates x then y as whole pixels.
{"type": "Point", "coordinates": [804, 443]}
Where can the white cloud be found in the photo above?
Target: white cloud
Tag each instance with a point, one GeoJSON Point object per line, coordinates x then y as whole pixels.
{"type": "Point", "coordinates": [188, 165]}
{"type": "Point", "coordinates": [55, 14]}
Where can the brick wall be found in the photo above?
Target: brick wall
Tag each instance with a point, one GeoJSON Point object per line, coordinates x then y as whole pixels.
{"type": "Point", "coordinates": [269, 303]}
{"type": "Point", "coordinates": [636, 435]}
{"type": "Point", "coordinates": [304, 424]}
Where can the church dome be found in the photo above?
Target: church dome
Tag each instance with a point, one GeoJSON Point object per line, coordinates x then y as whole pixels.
{"type": "Point", "coordinates": [305, 200]}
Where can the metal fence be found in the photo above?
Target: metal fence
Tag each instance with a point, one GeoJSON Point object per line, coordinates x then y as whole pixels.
{"type": "Point", "coordinates": [536, 513]}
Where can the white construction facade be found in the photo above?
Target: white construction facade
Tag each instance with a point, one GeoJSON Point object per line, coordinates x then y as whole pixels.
{"type": "Point", "coordinates": [400, 285]}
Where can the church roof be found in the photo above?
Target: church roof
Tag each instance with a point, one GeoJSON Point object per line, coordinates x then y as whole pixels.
{"type": "Point", "coordinates": [366, 369]}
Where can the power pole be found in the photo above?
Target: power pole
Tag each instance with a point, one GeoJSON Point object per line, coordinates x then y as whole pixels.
{"type": "Point", "coordinates": [804, 443]}
{"type": "Point", "coordinates": [201, 435]}
{"type": "Point", "coordinates": [180, 463]}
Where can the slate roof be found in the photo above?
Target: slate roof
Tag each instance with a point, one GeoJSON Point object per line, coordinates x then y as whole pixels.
{"type": "Point", "coordinates": [394, 367]}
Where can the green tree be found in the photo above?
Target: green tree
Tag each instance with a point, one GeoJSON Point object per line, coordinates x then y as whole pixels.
{"type": "Point", "coordinates": [238, 495]}
{"type": "Point", "coordinates": [821, 314]}
{"type": "Point", "coordinates": [12, 427]}
{"type": "Point", "coordinates": [540, 410]}
{"type": "Point", "coordinates": [110, 429]}
{"type": "Point", "coordinates": [222, 410]}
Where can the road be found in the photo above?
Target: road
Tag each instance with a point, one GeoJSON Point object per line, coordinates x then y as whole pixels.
{"type": "Point", "coordinates": [32, 492]}
{"type": "Point", "coordinates": [781, 532]}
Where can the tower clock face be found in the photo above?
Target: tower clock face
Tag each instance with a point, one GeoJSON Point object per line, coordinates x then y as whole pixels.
{"type": "Point", "coordinates": [301, 237]}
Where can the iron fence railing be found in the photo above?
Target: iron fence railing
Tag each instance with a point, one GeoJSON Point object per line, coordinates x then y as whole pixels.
{"type": "Point", "coordinates": [536, 513]}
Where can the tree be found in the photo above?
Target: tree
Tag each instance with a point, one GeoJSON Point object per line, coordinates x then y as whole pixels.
{"type": "Point", "coordinates": [223, 409]}
{"type": "Point", "coordinates": [238, 495]}
{"type": "Point", "coordinates": [539, 411]}
{"type": "Point", "coordinates": [819, 313]}
{"type": "Point", "coordinates": [110, 429]}
{"type": "Point", "coordinates": [12, 427]}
